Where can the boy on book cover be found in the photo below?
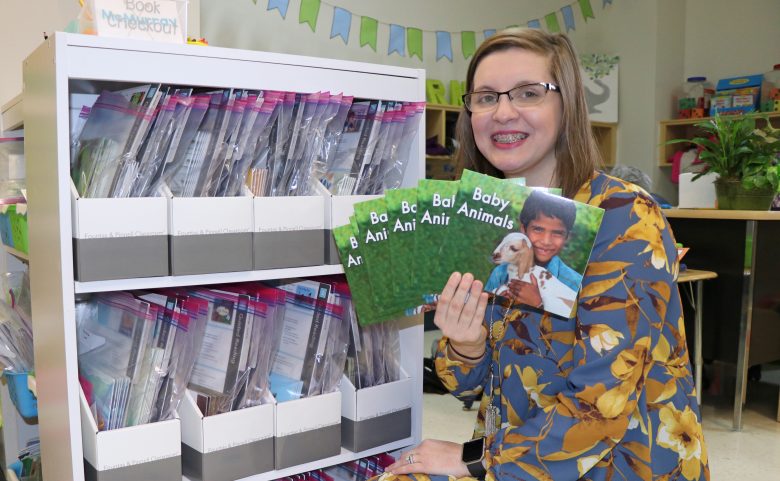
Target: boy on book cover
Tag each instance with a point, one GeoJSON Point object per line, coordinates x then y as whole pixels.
{"type": "Point", "coordinates": [546, 222]}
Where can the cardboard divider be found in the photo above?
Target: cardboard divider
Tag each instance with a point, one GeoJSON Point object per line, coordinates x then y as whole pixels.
{"type": "Point", "coordinates": [289, 232]}
{"type": "Point", "coordinates": [210, 234]}
{"type": "Point", "coordinates": [119, 238]}
{"type": "Point", "coordinates": [228, 446]}
{"type": "Point", "coordinates": [307, 430]}
{"type": "Point", "coordinates": [376, 415]}
{"type": "Point", "coordinates": [149, 451]}
{"type": "Point", "coordinates": [340, 208]}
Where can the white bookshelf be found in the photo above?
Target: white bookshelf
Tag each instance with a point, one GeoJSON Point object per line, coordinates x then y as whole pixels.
{"type": "Point", "coordinates": [68, 61]}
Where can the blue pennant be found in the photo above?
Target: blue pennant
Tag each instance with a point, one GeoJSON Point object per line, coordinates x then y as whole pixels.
{"type": "Point", "coordinates": [342, 21]}
{"type": "Point", "coordinates": [568, 17]}
{"type": "Point", "coordinates": [280, 5]}
{"type": "Point", "coordinates": [606, 2]}
{"type": "Point", "coordinates": [534, 23]}
{"type": "Point", "coordinates": [443, 45]}
{"type": "Point", "coordinates": [489, 32]}
{"type": "Point", "coordinates": [397, 40]}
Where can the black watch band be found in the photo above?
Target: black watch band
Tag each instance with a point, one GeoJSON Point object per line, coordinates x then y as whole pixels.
{"type": "Point", "coordinates": [472, 456]}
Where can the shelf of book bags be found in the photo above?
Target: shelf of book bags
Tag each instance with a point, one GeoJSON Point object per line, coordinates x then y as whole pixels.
{"type": "Point", "coordinates": [164, 241]}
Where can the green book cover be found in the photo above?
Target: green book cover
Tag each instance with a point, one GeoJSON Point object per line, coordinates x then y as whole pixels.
{"type": "Point", "coordinates": [402, 222]}
{"type": "Point", "coordinates": [357, 277]}
{"type": "Point", "coordinates": [435, 199]}
{"type": "Point", "coordinates": [373, 236]}
{"type": "Point", "coordinates": [500, 231]}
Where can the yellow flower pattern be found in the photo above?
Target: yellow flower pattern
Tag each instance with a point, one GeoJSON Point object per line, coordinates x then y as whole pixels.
{"type": "Point", "coordinates": [607, 394]}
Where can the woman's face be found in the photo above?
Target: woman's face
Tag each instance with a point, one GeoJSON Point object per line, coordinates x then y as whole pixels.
{"type": "Point", "coordinates": [518, 142]}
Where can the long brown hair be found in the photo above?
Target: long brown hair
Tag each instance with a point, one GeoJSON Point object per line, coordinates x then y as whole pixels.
{"type": "Point", "coordinates": [575, 149]}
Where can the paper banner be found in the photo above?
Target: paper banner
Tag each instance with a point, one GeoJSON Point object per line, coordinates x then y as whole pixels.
{"type": "Point", "coordinates": [468, 43]}
{"type": "Point", "coordinates": [552, 22]}
{"type": "Point", "coordinates": [587, 10]}
{"type": "Point", "coordinates": [342, 21]}
{"type": "Point", "coordinates": [280, 5]}
{"type": "Point", "coordinates": [443, 45]}
{"type": "Point", "coordinates": [397, 40]}
{"type": "Point", "coordinates": [368, 29]}
{"type": "Point", "coordinates": [414, 42]}
{"type": "Point", "coordinates": [534, 23]}
{"type": "Point", "coordinates": [568, 17]}
{"type": "Point", "coordinates": [489, 32]}
{"type": "Point", "coordinates": [308, 14]}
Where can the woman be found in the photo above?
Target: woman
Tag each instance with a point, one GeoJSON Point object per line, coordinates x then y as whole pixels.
{"type": "Point", "coordinates": [607, 394]}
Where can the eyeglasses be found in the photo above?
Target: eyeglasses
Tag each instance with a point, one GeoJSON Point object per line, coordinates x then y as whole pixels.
{"type": "Point", "coordinates": [521, 96]}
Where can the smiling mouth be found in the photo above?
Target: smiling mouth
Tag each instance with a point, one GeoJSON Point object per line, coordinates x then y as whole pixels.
{"type": "Point", "coordinates": [509, 138]}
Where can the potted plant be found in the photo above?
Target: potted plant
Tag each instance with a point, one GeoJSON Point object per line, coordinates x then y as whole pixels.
{"type": "Point", "coordinates": [745, 158]}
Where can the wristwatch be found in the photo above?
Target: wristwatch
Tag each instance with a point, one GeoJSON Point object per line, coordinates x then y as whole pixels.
{"type": "Point", "coordinates": [473, 454]}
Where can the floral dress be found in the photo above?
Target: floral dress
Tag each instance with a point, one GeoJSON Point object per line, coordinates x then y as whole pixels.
{"type": "Point", "coordinates": [608, 394]}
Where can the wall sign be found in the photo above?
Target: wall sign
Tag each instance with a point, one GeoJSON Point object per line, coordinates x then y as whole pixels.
{"type": "Point", "coordinates": [158, 20]}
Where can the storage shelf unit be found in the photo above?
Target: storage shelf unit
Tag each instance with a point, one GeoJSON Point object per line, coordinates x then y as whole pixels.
{"type": "Point", "coordinates": [67, 61]}
{"type": "Point", "coordinates": [12, 117]}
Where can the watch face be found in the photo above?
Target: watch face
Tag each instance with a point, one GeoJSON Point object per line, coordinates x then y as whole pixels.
{"type": "Point", "coordinates": [473, 450]}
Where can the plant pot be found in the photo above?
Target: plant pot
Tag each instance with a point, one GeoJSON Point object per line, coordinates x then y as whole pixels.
{"type": "Point", "coordinates": [732, 196]}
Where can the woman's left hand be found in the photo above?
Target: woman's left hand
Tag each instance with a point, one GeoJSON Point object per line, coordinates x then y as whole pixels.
{"type": "Point", "coordinates": [432, 456]}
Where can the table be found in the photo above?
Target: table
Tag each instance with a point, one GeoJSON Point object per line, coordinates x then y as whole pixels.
{"type": "Point", "coordinates": [741, 246]}
{"type": "Point", "coordinates": [697, 276]}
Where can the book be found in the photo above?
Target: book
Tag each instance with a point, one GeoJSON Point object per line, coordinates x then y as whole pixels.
{"type": "Point", "coordinates": [435, 200]}
{"type": "Point", "coordinates": [501, 231]}
{"type": "Point", "coordinates": [402, 224]}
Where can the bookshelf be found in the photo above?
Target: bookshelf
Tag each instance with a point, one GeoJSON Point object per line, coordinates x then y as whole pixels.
{"type": "Point", "coordinates": [68, 63]}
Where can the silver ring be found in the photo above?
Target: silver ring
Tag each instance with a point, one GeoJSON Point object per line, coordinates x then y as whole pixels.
{"type": "Point", "coordinates": [410, 459]}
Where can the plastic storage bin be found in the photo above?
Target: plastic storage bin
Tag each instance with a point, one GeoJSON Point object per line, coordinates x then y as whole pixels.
{"type": "Point", "coordinates": [24, 400]}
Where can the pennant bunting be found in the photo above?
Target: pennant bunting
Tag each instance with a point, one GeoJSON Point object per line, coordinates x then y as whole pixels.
{"type": "Point", "coordinates": [407, 40]}
{"type": "Point", "coordinates": [342, 21]}
{"type": "Point", "coordinates": [468, 43]}
{"type": "Point", "coordinates": [568, 17]}
{"type": "Point", "coordinates": [587, 10]}
{"type": "Point", "coordinates": [414, 42]}
{"type": "Point", "coordinates": [397, 40]}
{"type": "Point", "coordinates": [310, 9]}
{"type": "Point", "coordinates": [368, 29]}
{"type": "Point", "coordinates": [551, 19]}
{"type": "Point", "coordinates": [280, 5]}
{"type": "Point", "coordinates": [443, 45]}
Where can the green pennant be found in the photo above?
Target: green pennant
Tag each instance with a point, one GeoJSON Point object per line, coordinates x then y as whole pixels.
{"type": "Point", "coordinates": [587, 10]}
{"type": "Point", "coordinates": [414, 42]}
{"type": "Point", "coordinates": [368, 29]}
{"type": "Point", "coordinates": [468, 43]}
{"type": "Point", "coordinates": [310, 9]}
{"type": "Point", "coordinates": [552, 22]}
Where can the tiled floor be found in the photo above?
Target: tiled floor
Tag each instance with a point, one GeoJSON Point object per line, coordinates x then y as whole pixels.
{"type": "Point", "coordinates": [752, 454]}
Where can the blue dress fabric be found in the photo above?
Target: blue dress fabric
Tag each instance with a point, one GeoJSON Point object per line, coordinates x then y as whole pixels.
{"type": "Point", "coordinates": [607, 394]}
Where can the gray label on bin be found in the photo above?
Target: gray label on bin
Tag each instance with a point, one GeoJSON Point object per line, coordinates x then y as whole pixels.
{"type": "Point", "coordinates": [120, 258]}
{"type": "Point", "coordinates": [228, 464]}
{"type": "Point", "coordinates": [168, 469]}
{"type": "Point", "coordinates": [370, 433]}
{"type": "Point", "coordinates": [308, 446]}
{"type": "Point", "coordinates": [283, 249]}
{"type": "Point", "coordinates": [206, 254]}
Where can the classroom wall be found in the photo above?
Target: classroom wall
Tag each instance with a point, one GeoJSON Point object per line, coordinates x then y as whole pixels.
{"type": "Point", "coordinates": [660, 43]}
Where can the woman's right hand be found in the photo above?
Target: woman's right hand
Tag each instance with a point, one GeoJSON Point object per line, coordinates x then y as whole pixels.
{"type": "Point", "coordinates": [459, 315]}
